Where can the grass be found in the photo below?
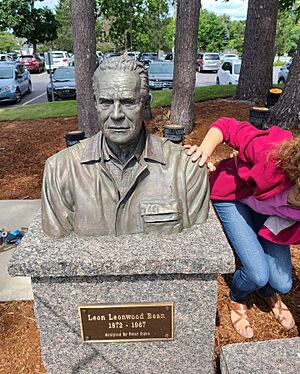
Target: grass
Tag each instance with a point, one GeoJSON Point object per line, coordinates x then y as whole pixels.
{"type": "Point", "coordinates": [278, 63]}
{"type": "Point", "coordinates": [68, 108]}
{"type": "Point", "coordinates": [37, 111]}
{"type": "Point", "coordinates": [164, 98]}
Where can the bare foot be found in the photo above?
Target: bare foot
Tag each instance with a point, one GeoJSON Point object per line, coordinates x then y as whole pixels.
{"type": "Point", "coordinates": [239, 319]}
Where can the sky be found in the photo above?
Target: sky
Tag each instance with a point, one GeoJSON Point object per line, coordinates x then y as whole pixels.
{"type": "Point", "coordinates": [236, 9]}
{"type": "Point", "coordinates": [49, 3]}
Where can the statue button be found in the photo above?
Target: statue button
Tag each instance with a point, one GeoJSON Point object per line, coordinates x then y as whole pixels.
{"type": "Point", "coordinates": [122, 205]}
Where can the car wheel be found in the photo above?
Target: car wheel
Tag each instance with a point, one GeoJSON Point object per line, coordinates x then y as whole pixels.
{"type": "Point", "coordinates": [50, 98]}
{"type": "Point", "coordinates": [281, 81]}
{"type": "Point", "coordinates": [18, 95]}
{"type": "Point", "coordinates": [218, 81]}
{"type": "Point", "coordinates": [29, 89]}
{"type": "Point", "coordinates": [48, 71]}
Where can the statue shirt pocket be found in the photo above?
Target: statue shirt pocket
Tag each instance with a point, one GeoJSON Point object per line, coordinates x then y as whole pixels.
{"type": "Point", "coordinates": [161, 216]}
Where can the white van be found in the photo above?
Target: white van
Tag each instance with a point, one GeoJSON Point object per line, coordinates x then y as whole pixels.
{"type": "Point", "coordinates": [59, 59]}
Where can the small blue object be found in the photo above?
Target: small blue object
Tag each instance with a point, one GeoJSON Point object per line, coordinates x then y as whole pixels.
{"type": "Point", "coordinates": [14, 237]}
{"type": "Point", "coordinates": [16, 232]}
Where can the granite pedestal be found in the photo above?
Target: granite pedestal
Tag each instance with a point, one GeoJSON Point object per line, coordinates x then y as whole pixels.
{"type": "Point", "coordinates": [73, 271]}
{"type": "Point", "coordinates": [281, 356]}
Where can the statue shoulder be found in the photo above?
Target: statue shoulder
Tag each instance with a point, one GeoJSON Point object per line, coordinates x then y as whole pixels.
{"type": "Point", "coordinates": [71, 154]}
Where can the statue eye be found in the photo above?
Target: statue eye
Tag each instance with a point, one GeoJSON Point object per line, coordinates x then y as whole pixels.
{"type": "Point", "coordinates": [128, 102]}
{"type": "Point", "coordinates": [105, 102]}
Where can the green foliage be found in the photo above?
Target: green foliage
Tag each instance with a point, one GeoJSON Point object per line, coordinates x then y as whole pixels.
{"type": "Point", "coordinates": [219, 32]}
{"type": "Point", "coordinates": [36, 25]}
{"type": "Point", "coordinates": [63, 17]}
{"type": "Point", "coordinates": [140, 24]}
{"type": "Point", "coordinates": [213, 32]}
{"type": "Point", "coordinates": [287, 33]}
{"type": "Point", "coordinates": [290, 5]}
{"type": "Point", "coordinates": [236, 31]}
{"type": "Point", "coordinates": [8, 42]}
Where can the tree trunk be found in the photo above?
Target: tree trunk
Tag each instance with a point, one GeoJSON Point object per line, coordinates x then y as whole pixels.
{"type": "Point", "coordinates": [183, 101]}
{"type": "Point", "coordinates": [84, 43]}
{"type": "Point", "coordinates": [285, 113]}
{"type": "Point", "coordinates": [257, 64]}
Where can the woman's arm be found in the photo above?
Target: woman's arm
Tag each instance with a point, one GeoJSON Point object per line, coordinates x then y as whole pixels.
{"type": "Point", "coordinates": [212, 139]}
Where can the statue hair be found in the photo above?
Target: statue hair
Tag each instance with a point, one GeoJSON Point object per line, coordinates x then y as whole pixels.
{"type": "Point", "coordinates": [122, 63]}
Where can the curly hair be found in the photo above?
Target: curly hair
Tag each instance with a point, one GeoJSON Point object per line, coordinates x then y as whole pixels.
{"type": "Point", "coordinates": [122, 63]}
{"type": "Point", "coordinates": [287, 156]}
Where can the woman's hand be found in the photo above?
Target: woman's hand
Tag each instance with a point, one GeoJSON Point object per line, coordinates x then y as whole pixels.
{"type": "Point", "coordinates": [198, 153]}
{"type": "Point", "coordinates": [212, 139]}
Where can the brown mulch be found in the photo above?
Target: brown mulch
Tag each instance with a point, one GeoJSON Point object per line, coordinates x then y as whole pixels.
{"type": "Point", "coordinates": [24, 147]}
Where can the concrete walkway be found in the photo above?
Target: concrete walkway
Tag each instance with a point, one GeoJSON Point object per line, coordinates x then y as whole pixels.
{"type": "Point", "coordinates": [15, 214]}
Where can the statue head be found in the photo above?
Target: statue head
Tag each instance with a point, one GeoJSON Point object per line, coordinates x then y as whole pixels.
{"type": "Point", "coordinates": [121, 92]}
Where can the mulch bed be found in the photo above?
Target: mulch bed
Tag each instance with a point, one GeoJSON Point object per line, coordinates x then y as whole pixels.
{"type": "Point", "coordinates": [24, 147]}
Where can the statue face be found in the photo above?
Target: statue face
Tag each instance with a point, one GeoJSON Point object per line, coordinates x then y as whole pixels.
{"type": "Point", "coordinates": [120, 106]}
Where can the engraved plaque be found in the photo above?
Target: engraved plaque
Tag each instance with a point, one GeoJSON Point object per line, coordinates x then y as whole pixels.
{"type": "Point", "coordinates": [126, 322]}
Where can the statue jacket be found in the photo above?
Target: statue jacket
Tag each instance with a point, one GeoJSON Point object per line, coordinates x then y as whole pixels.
{"type": "Point", "coordinates": [168, 192]}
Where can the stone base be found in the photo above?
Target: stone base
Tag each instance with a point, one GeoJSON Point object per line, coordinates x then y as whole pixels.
{"type": "Point", "coordinates": [280, 356]}
{"type": "Point", "coordinates": [191, 351]}
{"type": "Point", "coordinates": [72, 271]}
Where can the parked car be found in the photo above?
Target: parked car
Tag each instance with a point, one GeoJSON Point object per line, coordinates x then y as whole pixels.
{"type": "Point", "coordinates": [99, 57]}
{"type": "Point", "coordinates": [147, 57]}
{"type": "Point", "coordinates": [229, 56]}
{"type": "Point", "coordinates": [208, 61]}
{"type": "Point", "coordinates": [169, 57]}
{"type": "Point", "coordinates": [160, 74]}
{"type": "Point", "coordinates": [33, 63]}
{"type": "Point", "coordinates": [284, 72]}
{"type": "Point", "coordinates": [112, 54]}
{"type": "Point", "coordinates": [59, 59]}
{"type": "Point", "coordinates": [71, 61]}
{"type": "Point", "coordinates": [133, 54]}
{"type": "Point", "coordinates": [5, 57]}
{"type": "Point", "coordinates": [64, 86]}
{"type": "Point", "coordinates": [15, 81]}
{"type": "Point", "coordinates": [229, 72]}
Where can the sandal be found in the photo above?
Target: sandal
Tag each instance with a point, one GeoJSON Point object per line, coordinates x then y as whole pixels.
{"type": "Point", "coordinates": [278, 307]}
{"type": "Point", "coordinates": [241, 310]}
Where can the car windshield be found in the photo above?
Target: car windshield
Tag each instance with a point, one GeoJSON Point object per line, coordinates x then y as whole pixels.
{"type": "Point", "coordinates": [212, 57]}
{"type": "Point", "coordinates": [6, 72]}
{"type": "Point", "coordinates": [163, 69]}
{"type": "Point", "coordinates": [57, 55]}
{"type": "Point", "coordinates": [64, 74]}
{"type": "Point", "coordinates": [237, 69]}
{"type": "Point", "coordinates": [228, 56]}
{"type": "Point", "coordinates": [27, 57]}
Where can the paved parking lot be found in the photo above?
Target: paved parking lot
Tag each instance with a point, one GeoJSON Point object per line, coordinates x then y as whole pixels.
{"type": "Point", "coordinates": [40, 81]}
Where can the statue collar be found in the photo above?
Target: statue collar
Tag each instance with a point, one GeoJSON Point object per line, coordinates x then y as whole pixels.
{"type": "Point", "coordinates": [93, 149]}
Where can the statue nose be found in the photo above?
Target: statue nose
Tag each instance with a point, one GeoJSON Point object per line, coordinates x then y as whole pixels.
{"type": "Point", "coordinates": [117, 112]}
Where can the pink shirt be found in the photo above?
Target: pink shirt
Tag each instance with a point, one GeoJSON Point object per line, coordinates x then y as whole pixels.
{"type": "Point", "coordinates": [274, 206]}
{"type": "Point", "coordinates": [252, 172]}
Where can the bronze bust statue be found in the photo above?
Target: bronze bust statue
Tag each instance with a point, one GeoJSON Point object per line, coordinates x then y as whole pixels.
{"type": "Point", "coordinates": [122, 180]}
